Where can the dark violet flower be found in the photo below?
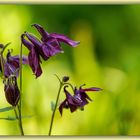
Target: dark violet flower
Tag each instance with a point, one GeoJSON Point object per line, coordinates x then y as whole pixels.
{"type": "Point", "coordinates": [33, 57]}
{"type": "Point", "coordinates": [78, 100]}
{"type": "Point", "coordinates": [12, 64]}
{"type": "Point", "coordinates": [12, 92]}
{"type": "Point", "coordinates": [45, 49]}
{"type": "Point", "coordinates": [48, 46]}
{"type": "Point", "coordinates": [45, 36]}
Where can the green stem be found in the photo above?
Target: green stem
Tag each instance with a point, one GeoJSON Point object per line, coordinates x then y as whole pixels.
{"type": "Point", "coordinates": [57, 98]}
{"type": "Point", "coordinates": [20, 121]}
{"type": "Point", "coordinates": [2, 65]}
{"type": "Point", "coordinates": [53, 114]}
{"type": "Point", "coordinates": [15, 113]}
{"type": "Point", "coordinates": [20, 101]}
{"type": "Point", "coordinates": [69, 85]}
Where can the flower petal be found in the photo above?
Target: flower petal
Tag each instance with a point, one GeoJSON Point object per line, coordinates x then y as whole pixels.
{"type": "Point", "coordinates": [34, 62]}
{"type": "Point", "coordinates": [73, 107]}
{"type": "Point", "coordinates": [55, 44]}
{"type": "Point", "coordinates": [42, 32]}
{"type": "Point", "coordinates": [85, 96]}
{"type": "Point", "coordinates": [9, 70]}
{"type": "Point", "coordinates": [72, 101]}
{"type": "Point", "coordinates": [91, 89]}
{"type": "Point", "coordinates": [15, 60]}
{"type": "Point", "coordinates": [80, 93]}
{"type": "Point", "coordinates": [26, 43]}
{"type": "Point", "coordinates": [34, 40]}
{"type": "Point", "coordinates": [62, 105]}
{"type": "Point", "coordinates": [12, 64]}
{"type": "Point", "coordinates": [51, 48]}
{"type": "Point", "coordinates": [65, 39]}
{"type": "Point", "coordinates": [38, 46]}
{"type": "Point", "coordinates": [81, 97]}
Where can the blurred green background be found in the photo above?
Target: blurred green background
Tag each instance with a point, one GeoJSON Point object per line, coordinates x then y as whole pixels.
{"type": "Point", "coordinates": [107, 57]}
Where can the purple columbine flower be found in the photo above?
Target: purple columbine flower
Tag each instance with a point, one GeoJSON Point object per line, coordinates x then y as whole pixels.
{"type": "Point", "coordinates": [55, 37]}
{"type": "Point", "coordinates": [78, 100]}
{"type": "Point", "coordinates": [33, 57]}
{"type": "Point", "coordinates": [48, 46]}
{"type": "Point", "coordinates": [12, 92]}
{"type": "Point", "coordinates": [12, 64]}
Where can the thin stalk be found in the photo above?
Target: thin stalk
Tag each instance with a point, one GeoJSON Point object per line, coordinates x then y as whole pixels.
{"type": "Point", "coordinates": [69, 85]}
{"type": "Point", "coordinates": [20, 122]}
{"type": "Point", "coordinates": [62, 83]}
{"type": "Point", "coordinates": [15, 113]}
{"type": "Point", "coordinates": [17, 117]}
{"type": "Point", "coordinates": [53, 114]}
{"type": "Point", "coordinates": [2, 65]}
{"type": "Point", "coordinates": [20, 100]}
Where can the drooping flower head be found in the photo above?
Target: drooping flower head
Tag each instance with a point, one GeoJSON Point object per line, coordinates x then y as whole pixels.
{"type": "Point", "coordinates": [12, 64]}
{"type": "Point", "coordinates": [11, 89]}
{"type": "Point", "coordinates": [33, 57]}
{"type": "Point", "coordinates": [46, 47]}
{"type": "Point", "coordinates": [78, 100]}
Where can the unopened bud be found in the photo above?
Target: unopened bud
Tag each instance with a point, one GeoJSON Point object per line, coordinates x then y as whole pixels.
{"type": "Point", "coordinates": [1, 45]}
{"type": "Point", "coordinates": [65, 78]}
{"type": "Point", "coordinates": [12, 92]}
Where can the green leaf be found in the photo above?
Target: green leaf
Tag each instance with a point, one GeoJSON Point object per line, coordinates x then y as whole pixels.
{"type": "Point", "coordinates": [26, 116]}
{"type": "Point", "coordinates": [14, 118]}
{"type": "Point", "coordinates": [52, 105]}
{"type": "Point", "coordinates": [8, 118]}
{"type": "Point", "coordinates": [6, 109]}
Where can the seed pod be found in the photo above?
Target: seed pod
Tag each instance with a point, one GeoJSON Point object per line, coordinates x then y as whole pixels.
{"type": "Point", "coordinates": [12, 92]}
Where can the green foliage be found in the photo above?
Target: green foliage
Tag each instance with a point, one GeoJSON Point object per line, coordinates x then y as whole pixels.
{"type": "Point", "coordinates": [6, 109]}
{"type": "Point", "coordinates": [13, 118]}
{"type": "Point", "coordinates": [52, 105]}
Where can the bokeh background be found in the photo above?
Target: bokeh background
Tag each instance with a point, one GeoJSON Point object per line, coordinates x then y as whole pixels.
{"type": "Point", "coordinates": [107, 57]}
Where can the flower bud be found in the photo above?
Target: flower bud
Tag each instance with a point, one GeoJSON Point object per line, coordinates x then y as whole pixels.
{"type": "Point", "coordinates": [12, 92]}
{"type": "Point", "coordinates": [65, 78]}
{"type": "Point", "coordinates": [1, 45]}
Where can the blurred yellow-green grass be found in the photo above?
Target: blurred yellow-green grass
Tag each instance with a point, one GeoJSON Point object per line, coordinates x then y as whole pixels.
{"type": "Point", "coordinates": [108, 57]}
